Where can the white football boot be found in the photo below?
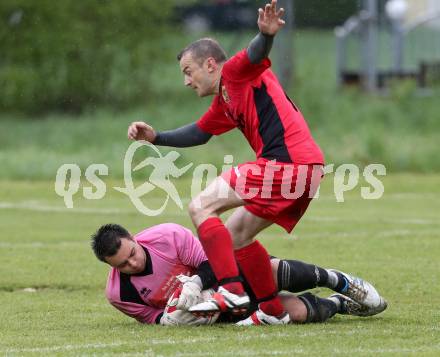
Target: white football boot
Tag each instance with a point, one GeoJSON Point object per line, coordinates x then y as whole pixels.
{"type": "Point", "coordinates": [363, 293]}
{"type": "Point", "coordinates": [261, 318]}
{"type": "Point", "coordinates": [347, 306]}
{"type": "Point", "coordinates": [222, 301]}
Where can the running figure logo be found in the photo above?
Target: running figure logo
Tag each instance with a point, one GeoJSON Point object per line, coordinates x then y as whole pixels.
{"type": "Point", "coordinates": [163, 168]}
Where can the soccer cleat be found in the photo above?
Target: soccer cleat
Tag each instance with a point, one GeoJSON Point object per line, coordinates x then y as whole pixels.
{"type": "Point", "coordinates": [261, 318]}
{"type": "Point", "coordinates": [363, 293]}
{"type": "Point", "coordinates": [347, 306]}
{"type": "Point", "coordinates": [222, 301]}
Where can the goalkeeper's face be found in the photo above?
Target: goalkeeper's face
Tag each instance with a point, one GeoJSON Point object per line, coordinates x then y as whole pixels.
{"type": "Point", "coordinates": [129, 259]}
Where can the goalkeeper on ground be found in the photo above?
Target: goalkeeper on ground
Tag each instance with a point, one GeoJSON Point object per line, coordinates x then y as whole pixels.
{"type": "Point", "coordinates": [160, 272]}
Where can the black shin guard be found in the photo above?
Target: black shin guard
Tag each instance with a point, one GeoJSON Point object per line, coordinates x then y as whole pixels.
{"type": "Point", "coordinates": [296, 276]}
{"type": "Point", "coordinates": [318, 309]}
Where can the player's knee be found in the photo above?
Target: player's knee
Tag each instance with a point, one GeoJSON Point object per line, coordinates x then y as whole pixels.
{"type": "Point", "coordinates": [194, 209]}
{"type": "Point", "coordinates": [274, 264]}
{"type": "Point", "coordinates": [240, 241]}
{"type": "Point", "coordinates": [235, 234]}
{"type": "Point", "coordinates": [197, 211]}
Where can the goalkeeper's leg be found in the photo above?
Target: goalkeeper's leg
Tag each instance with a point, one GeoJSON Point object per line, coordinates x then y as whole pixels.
{"type": "Point", "coordinates": [315, 309]}
{"type": "Point", "coordinates": [295, 276]}
{"type": "Point", "coordinates": [319, 309]}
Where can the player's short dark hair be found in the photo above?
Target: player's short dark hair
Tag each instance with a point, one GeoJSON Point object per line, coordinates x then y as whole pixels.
{"type": "Point", "coordinates": [107, 240]}
{"type": "Point", "coordinates": [203, 49]}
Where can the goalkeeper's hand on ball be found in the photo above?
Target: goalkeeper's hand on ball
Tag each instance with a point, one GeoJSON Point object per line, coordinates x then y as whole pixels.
{"type": "Point", "coordinates": [191, 291]}
{"type": "Point", "coordinates": [174, 317]}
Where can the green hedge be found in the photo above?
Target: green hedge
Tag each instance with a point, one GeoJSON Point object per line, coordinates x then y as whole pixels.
{"type": "Point", "coordinates": [69, 54]}
{"type": "Point", "coordinates": [323, 13]}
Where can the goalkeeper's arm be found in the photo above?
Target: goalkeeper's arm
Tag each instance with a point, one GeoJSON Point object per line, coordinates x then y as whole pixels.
{"type": "Point", "coordinates": [207, 277]}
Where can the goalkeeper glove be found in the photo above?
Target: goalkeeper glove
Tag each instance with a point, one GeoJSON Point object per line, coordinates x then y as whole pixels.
{"type": "Point", "coordinates": [173, 317]}
{"type": "Point", "coordinates": [191, 291]}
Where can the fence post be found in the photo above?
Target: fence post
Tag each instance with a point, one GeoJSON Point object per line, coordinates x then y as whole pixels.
{"type": "Point", "coordinates": [341, 53]}
{"type": "Point", "coordinates": [369, 46]}
{"type": "Point", "coordinates": [284, 46]}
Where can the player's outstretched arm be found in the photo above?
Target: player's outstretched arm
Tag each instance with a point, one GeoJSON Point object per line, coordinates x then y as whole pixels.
{"type": "Point", "coordinates": [185, 136]}
{"type": "Point", "coordinates": [269, 23]}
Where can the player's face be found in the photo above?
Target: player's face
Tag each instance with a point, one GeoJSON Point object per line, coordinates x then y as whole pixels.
{"type": "Point", "coordinates": [129, 259]}
{"type": "Point", "coordinates": [200, 77]}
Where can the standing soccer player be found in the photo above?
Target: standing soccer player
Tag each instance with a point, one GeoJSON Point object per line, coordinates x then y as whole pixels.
{"type": "Point", "coordinates": [248, 96]}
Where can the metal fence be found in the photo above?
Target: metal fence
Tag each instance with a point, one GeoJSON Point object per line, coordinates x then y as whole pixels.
{"type": "Point", "coordinates": [380, 43]}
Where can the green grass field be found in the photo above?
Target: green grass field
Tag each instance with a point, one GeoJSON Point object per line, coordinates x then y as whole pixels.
{"type": "Point", "coordinates": [392, 241]}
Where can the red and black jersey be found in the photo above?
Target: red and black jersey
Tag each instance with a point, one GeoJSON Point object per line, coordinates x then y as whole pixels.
{"type": "Point", "coordinates": [252, 99]}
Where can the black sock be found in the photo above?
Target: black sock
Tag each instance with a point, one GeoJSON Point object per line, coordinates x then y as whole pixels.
{"type": "Point", "coordinates": [340, 303]}
{"type": "Point", "coordinates": [342, 285]}
{"type": "Point", "coordinates": [296, 276]}
{"type": "Point", "coordinates": [318, 309]}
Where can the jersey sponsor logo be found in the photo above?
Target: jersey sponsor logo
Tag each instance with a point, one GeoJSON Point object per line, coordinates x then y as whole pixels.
{"type": "Point", "coordinates": [145, 292]}
{"type": "Point", "coordinates": [168, 285]}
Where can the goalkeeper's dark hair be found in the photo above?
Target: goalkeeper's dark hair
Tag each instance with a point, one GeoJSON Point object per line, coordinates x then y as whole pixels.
{"type": "Point", "coordinates": [107, 240]}
{"type": "Point", "coordinates": [203, 49]}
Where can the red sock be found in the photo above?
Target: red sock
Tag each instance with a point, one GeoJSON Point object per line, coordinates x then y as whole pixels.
{"type": "Point", "coordinates": [217, 244]}
{"type": "Point", "coordinates": [255, 265]}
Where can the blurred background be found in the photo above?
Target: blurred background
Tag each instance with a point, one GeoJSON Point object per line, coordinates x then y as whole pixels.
{"type": "Point", "coordinates": [74, 74]}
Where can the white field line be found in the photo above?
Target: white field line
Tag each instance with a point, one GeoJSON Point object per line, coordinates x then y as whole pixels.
{"type": "Point", "coordinates": [199, 341]}
{"type": "Point", "coordinates": [39, 207]}
{"type": "Point", "coordinates": [66, 347]}
{"type": "Point", "coordinates": [168, 341]}
{"type": "Point", "coordinates": [292, 351]}
{"type": "Point", "coordinates": [394, 196]}
{"type": "Point", "coordinates": [356, 234]}
{"type": "Point", "coordinates": [54, 244]}
{"type": "Point", "coordinates": [34, 206]}
{"type": "Point", "coordinates": [415, 221]}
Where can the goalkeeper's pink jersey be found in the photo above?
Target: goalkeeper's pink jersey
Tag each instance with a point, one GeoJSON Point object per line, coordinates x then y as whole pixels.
{"type": "Point", "coordinates": [171, 250]}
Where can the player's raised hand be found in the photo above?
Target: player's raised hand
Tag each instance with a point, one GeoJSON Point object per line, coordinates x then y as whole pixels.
{"type": "Point", "coordinates": [269, 19]}
{"type": "Point", "coordinates": [139, 130]}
